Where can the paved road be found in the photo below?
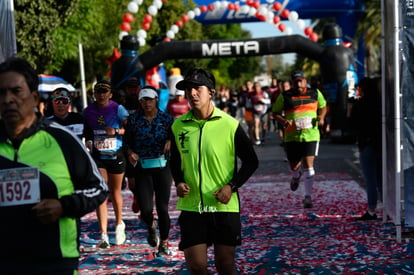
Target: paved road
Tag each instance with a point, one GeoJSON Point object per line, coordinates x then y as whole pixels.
{"type": "Point", "coordinates": [332, 158]}
{"type": "Point", "coordinates": [279, 236]}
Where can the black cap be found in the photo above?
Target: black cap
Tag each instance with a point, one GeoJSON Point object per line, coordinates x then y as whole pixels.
{"type": "Point", "coordinates": [102, 85]}
{"type": "Point", "coordinates": [197, 77]}
{"type": "Point", "coordinates": [132, 82]}
{"type": "Point", "coordinates": [298, 74]}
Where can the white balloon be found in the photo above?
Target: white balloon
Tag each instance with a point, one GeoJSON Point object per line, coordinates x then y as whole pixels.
{"type": "Point", "coordinates": [270, 1]}
{"type": "Point", "coordinates": [293, 16]}
{"type": "Point", "coordinates": [300, 24]}
{"type": "Point", "coordinates": [175, 28]}
{"type": "Point", "coordinates": [288, 31]}
{"type": "Point", "coordinates": [157, 3]}
{"type": "Point", "coordinates": [132, 7]}
{"type": "Point", "coordinates": [122, 34]}
{"type": "Point", "coordinates": [142, 33]}
{"type": "Point", "coordinates": [262, 10]}
{"type": "Point", "coordinates": [197, 11]}
{"type": "Point", "coordinates": [252, 11]}
{"type": "Point", "coordinates": [139, 2]}
{"type": "Point", "coordinates": [191, 14]}
{"type": "Point", "coordinates": [224, 5]}
{"type": "Point", "coordinates": [170, 34]}
{"type": "Point", "coordinates": [244, 9]}
{"type": "Point", "coordinates": [141, 41]}
{"type": "Point", "coordinates": [270, 15]}
{"type": "Point", "coordinates": [217, 5]}
{"type": "Point", "coordinates": [152, 10]}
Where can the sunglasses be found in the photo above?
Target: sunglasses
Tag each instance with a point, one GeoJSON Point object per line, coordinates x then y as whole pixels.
{"type": "Point", "coordinates": [63, 101]}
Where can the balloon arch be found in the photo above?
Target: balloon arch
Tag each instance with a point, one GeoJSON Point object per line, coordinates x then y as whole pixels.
{"type": "Point", "coordinates": [271, 13]}
{"type": "Point", "coordinates": [337, 63]}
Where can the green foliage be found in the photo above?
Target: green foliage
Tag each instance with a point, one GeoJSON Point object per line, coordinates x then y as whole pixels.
{"type": "Point", "coordinates": [34, 22]}
{"type": "Point", "coordinates": [369, 29]}
{"type": "Point", "coordinates": [48, 34]}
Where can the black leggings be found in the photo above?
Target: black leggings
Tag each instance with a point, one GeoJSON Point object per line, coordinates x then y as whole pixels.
{"type": "Point", "coordinates": [147, 183]}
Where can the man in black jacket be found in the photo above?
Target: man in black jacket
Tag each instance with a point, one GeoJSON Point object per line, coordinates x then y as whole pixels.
{"type": "Point", "coordinates": [47, 181]}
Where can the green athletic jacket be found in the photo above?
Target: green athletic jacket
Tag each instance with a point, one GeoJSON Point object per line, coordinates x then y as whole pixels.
{"type": "Point", "coordinates": [204, 156]}
{"type": "Point", "coordinates": [67, 173]}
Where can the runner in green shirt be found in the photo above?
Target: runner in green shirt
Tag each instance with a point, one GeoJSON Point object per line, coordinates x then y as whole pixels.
{"type": "Point", "coordinates": [301, 110]}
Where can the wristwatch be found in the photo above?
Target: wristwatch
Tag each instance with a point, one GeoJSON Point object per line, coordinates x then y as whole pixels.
{"type": "Point", "coordinates": [116, 131]}
{"type": "Point", "coordinates": [233, 187]}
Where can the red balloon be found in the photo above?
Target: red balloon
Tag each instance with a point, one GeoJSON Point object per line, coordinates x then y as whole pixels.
{"type": "Point", "coordinates": [314, 37]}
{"type": "Point", "coordinates": [210, 7]}
{"type": "Point", "coordinates": [147, 18]}
{"type": "Point", "coordinates": [276, 19]}
{"type": "Point", "coordinates": [285, 13]}
{"type": "Point", "coordinates": [115, 55]}
{"type": "Point", "coordinates": [256, 5]}
{"type": "Point", "coordinates": [146, 26]}
{"type": "Point", "coordinates": [230, 6]}
{"type": "Point", "coordinates": [308, 30]}
{"type": "Point", "coordinates": [347, 44]}
{"type": "Point", "coordinates": [277, 6]}
{"type": "Point", "coordinates": [167, 39]}
{"type": "Point", "coordinates": [185, 18]}
{"type": "Point", "coordinates": [236, 6]}
{"type": "Point", "coordinates": [203, 9]}
{"type": "Point", "coordinates": [282, 27]}
{"type": "Point", "coordinates": [128, 18]}
{"type": "Point", "coordinates": [179, 23]}
{"type": "Point", "coordinates": [260, 16]}
{"type": "Point", "coordinates": [125, 26]}
{"type": "Point", "coordinates": [250, 2]}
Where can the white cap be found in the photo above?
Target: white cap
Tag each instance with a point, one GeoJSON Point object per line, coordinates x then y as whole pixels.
{"type": "Point", "coordinates": [179, 92]}
{"type": "Point", "coordinates": [147, 92]}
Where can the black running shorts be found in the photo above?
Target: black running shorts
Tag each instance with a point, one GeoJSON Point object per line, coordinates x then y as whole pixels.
{"type": "Point", "coordinates": [209, 228]}
{"type": "Point", "coordinates": [112, 166]}
{"type": "Point", "coordinates": [295, 151]}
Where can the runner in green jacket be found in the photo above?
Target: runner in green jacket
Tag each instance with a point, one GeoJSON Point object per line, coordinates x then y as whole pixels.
{"type": "Point", "coordinates": [205, 147]}
{"type": "Point", "coordinates": [47, 181]}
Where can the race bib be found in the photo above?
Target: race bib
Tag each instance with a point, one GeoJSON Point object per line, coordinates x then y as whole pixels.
{"type": "Point", "coordinates": [105, 143]}
{"type": "Point", "coordinates": [19, 186]}
{"type": "Point", "coordinates": [303, 123]}
{"type": "Point", "coordinates": [259, 108]}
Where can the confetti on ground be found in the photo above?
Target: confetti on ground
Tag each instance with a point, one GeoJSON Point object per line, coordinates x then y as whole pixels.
{"type": "Point", "coordinates": [279, 236]}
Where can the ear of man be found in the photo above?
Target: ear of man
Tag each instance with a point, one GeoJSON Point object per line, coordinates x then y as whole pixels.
{"type": "Point", "coordinates": [212, 92]}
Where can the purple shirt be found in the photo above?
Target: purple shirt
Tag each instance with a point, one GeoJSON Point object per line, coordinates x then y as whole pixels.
{"type": "Point", "coordinates": [96, 119]}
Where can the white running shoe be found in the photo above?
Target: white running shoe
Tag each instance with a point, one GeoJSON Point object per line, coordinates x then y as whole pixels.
{"type": "Point", "coordinates": [120, 236]}
{"type": "Point", "coordinates": [104, 241]}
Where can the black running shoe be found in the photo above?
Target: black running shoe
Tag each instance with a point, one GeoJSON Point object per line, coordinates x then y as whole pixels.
{"type": "Point", "coordinates": [163, 249]}
{"type": "Point", "coordinates": [307, 202]}
{"type": "Point", "coordinates": [152, 238]}
{"type": "Point", "coordinates": [294, 182]}
{"type": "Point", "coordinates": [367, 217]}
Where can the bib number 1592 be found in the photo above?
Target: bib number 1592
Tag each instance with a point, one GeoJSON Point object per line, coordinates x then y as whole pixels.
{"type": "Point", "coordinates": [19, 186]}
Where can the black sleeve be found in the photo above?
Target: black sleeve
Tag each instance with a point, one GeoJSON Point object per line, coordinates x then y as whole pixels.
{"type": "Point", "coordinates": [90, 187]}
{"type": "Point", "coordinates": [127, 138]}
{"type": "Point", "coordinates": [87, 131]}
{"type": "Point", "coordinates": [175, 166]}
{"type": "Point", "coordinates": [246, 153]}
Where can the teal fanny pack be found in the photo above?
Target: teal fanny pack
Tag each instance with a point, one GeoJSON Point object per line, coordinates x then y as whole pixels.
{"type": "Point", "coordinates": [159, 162]}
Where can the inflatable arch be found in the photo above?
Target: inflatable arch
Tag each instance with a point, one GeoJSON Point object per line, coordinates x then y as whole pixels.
{"type": "Point", "coordinates": [336, 61]}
